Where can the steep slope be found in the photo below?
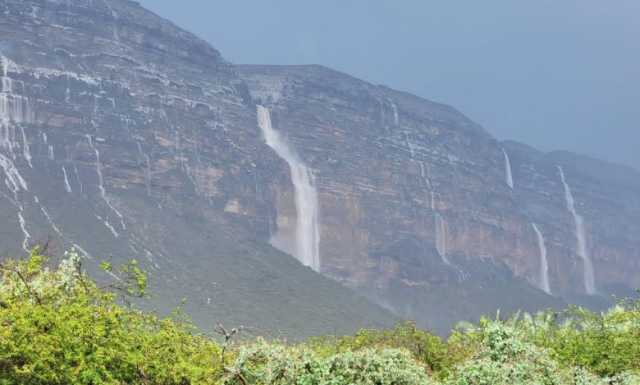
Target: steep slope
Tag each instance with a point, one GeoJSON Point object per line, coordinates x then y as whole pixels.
{"type": "Point", "coordinates": [124, 136]}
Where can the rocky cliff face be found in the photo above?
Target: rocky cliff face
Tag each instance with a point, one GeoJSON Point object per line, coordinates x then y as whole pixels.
{"type": "Point", "coordinates": [417, 201]}
{"type": "Point", "coordinates": [124, 136]}
{"type": "Point", "coordinates": [606, 196]}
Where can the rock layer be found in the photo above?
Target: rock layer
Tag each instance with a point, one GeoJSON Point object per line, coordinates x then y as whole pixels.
{"type": "Point", "coordinates": [126, 137]}
{"type": "Point", "coordinates": [387, 162]}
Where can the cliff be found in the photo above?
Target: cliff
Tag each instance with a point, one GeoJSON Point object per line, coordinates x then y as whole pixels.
{"type": "Point", "coordinates": [426, 213]}
{"type": "Point", "coordinates": [124, 136]}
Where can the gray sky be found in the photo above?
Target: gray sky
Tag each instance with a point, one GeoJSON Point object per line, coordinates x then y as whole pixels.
{"type": "Point", "coordinates": [556, 74]}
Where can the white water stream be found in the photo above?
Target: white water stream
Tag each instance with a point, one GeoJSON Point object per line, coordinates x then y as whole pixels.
{"type": "Point", "coordinates": [507, 170]}
{"type": "Point", "coordinates": [441, 238]}
{"type": "Point", "coordinates": [67, 185]}
{"type": "Point", "coordinates": [307, 231]}
{"type": "Point", "coordinates": [583, 253]}
{"type": "Point", "coordinates": [543, 278]}
{"type": "Point", "coordinates": [103, 191]}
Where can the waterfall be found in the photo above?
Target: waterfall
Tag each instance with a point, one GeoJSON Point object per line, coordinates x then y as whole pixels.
{"type": "Point", "coordinates": [26, 152]}
{"type": "Point", "coordinates": [507, 170]}
{"type": "Point", "coordinates": [583, 253]}
{"type": "Point", "coordinates": [543, 279]}
{"type": "Point", "coordinates": [396, 116]}
{"type": "Point", "coordinates": [13, 178]}
{"type": "Point", "coordinates": [440, 225]}
{"type": "Point", "coordinates": [15, 182]}
{"type": "Point", "coordinates": [48, 217]}
{"type": "Point", "coordinates": [307, 237]}
{"type": "Point", "coordinates": [441, 238]}
{"type": "Point", "coordinates": [14, 110]}
{"type": "Point", "coordinates": [103, 191]}
{"type": "Point", "coordinates": [77, 174]}
{"type": "Point", "coordinates": [409, 145]}
{"type": "Point", "coordinates": [67, 185]}
{"type": "Point", "coordinates": [23, 227]}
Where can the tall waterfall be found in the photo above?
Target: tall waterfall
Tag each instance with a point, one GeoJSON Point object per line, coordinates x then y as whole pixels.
{"type": "Point", "coordinates": [14, 110]}
{"type": "Point", "coordinates": [583, 253]}
{"type": "Point", "coordinates": [543, 279]}
{"type": "Point", "coordinates": [307, 237]}
{"type": "Point", "coordinates": [441, 238]}
{"type": "Point", "coordinates": [507, 170]}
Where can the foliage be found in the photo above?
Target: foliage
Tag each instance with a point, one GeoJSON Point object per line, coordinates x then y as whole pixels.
{"type": "Point", "coordinates": [426, 348]}
{"type": "Point", "coordinates": [57, 326]}
{"type": "Point", "coordinates": [274, 364]}
{"type": "Point", "coordinates": [604, 343]}
{"type": "Point", "coordinates": [586, 348]}
{"type": "Point", "coordinates": [504, 359]}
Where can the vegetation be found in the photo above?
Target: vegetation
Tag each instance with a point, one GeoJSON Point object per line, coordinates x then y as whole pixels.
{"type": "Point", "coordinates": [57, 326]}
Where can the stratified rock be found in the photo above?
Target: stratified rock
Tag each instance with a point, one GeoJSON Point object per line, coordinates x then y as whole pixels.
{"type": "Point", "coordinates": [422, 210]}
{"type": "Point", "coordinates": [140, 141]}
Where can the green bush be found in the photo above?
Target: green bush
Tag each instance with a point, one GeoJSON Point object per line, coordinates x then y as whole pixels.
{"type": "Point", "coordinates": [505, 359]}
{"type": "Point", "coordinates": [524, 350]}
{"type": "Point", "coordinates": [58, 327]}
{"type": "Point", "coordinates": [274, 364]}
{"type": "Point", "coordinates": [606, 343]}
{"type": "Point", "coordinates": [426, 348]}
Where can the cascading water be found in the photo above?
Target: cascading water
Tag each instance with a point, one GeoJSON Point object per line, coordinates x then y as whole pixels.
{"type": "Point", "coordinates": [583, 253]}
{"type": "Point", "coordinates": [307, 237]}
{"type": "Point", "coordinates": [396, 116]}
{"type": "Point", "coordinates": [409, 145]}
{"type": "Point", "coordinates": [14, 110]}
{"type": "Point", "coordinates": [507, 170]}
{"type": "Point", "coordinates": [67, 185]}
{"type": "Point", "coordinates": [48, 217]}
{"type": "Point", "coordinates": [103, 191]}
{"type": "Point", "coordinates": [13, 179]}
{"type": "Point", "coordinates": [441, 238]}
{"type": "Point", "coordinates": [440, 225]}
{"type": "Point", "coordinates": [77, 174]}
{"type": "Point", "coordinates": [16, 183]}
{"type": "Point", "coordinates": [543, 279]}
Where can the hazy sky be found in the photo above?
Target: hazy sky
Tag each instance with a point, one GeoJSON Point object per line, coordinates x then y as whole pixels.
{"type": "Point", "coordinates": [556, 74]}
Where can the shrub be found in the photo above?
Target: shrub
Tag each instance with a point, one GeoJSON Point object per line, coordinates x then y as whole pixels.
{"type": "Point", "coordinates": [506, 356]}
{"type": "Point", "coordinates": [604, 343]}
{"type": "Point", "coordinates": [428, 349]}
{"type": "Point", "coordinates": [274, 364]}
{"type": "Point", "coordinates": [504, 359]}
{"type": "Point", "coordinates": [58, 327]}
